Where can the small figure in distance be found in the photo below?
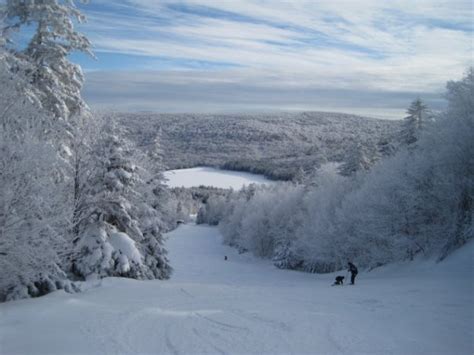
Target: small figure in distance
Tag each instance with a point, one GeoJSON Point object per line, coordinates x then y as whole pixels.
{"type": "Point", "coordinates": [339, 281]}
{"type": "Point", "coordinates": [225, 257]}
{"type": "Point", "coordinates": [353, 270]}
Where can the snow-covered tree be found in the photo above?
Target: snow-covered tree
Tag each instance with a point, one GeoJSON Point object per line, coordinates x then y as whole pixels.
{"type": "Point", "coordinates": [158, 194]}
{"type": "Point", "coordinates": [284, 225]}
{"type": "Point", "coordinates": [60, 179]}
{"type": "Point", "coordinates": [118, 233]}
{"type": "Point", "coordinates": [212, 212]}
{"type": "Point", "coordinates": [40, 100]}
{"type": "Point", "coordinates": [415, 122]}
{"type": "Point", "coordinates": [415, 202]}
{"type": "Point", "coordinates": [57, 80]}
{"type": "Point", "coordinates": [154, 210]}
{"type": "Point", "coordinates": [385, 148]}
{"type": "Point", "coordinates": [30, 242]}
{"type": "Point", "coordinates": [30, 247]}
{"type": "Point", "coordinates": [458, 131]}
{"type": "Point", "coordinates": [357, 160]}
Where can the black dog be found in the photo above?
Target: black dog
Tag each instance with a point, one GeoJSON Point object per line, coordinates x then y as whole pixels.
{"type": "Point", "coordinates": [339, 280]}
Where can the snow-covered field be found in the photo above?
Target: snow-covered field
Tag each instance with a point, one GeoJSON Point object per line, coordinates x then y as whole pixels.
{"type": "Point", "coordinates": [245, 305]}
{"type": "Point", "coordinates": [205, 176]}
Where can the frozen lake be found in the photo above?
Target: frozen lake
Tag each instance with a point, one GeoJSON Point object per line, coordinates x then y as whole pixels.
{"type": "Point", "coordinates": [212, 177]}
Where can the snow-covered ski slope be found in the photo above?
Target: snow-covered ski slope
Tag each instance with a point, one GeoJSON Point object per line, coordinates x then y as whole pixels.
{"type": "Point", "coordinates": [246, 306]}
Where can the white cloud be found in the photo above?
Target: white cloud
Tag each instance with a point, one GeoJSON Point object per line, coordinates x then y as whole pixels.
{"type": "Point", "coordinates": [389, 46]}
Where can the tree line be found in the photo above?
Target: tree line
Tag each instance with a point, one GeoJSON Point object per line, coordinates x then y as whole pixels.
{"type": "Point", "coordinates": [417, 200]}
{"type": "Point", "coordinates": [78, 199]}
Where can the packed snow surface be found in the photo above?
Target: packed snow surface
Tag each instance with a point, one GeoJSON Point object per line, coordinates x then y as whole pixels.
{"type": "Point", "coordinates": [212, 177]}
{"type": "Point", "coordinates": [245, 305]}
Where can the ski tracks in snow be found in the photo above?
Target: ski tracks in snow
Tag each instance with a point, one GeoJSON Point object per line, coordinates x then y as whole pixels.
{"type": "Point", "coordinates": [260, 320]}
{"type": "Point", "coordinates": [167, 331]}
{"type": "Point", "coordinates": [244, 305]}
{"type": "Point", "coordinates": [169, 344]}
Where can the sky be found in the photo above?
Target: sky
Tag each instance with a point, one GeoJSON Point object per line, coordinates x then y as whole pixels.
{"type": "Point", "coordinates": [215, 56]}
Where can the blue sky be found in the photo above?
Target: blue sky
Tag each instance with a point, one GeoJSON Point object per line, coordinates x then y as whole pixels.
{"type": "Point", "coordinates": [366, 57]}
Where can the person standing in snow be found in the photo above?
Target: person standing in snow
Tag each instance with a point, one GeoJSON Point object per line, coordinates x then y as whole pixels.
{"type": "Point", "coordinates": [353, 270]}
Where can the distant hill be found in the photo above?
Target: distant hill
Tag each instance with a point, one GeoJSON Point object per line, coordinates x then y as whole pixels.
{"type": "Point", "coordinates": [280, 145]}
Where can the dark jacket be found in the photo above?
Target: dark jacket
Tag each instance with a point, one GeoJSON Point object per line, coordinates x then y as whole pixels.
{"type": "Point", "coordinates": [352, 268]}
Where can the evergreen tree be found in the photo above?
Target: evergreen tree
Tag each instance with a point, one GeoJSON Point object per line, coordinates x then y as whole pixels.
{"type": "Point", "coordinates": [110, 220]}
{"type": "Point", "coordinates": [58, 81]}
{"type": "Point", "coordinates": [160, 197]}
{"type": "Point", "coordinates": [155, 211]}
{"type": "Point", "coordinates": [415, 122]}
{"type": "Point", "coordinates": [118, 232]}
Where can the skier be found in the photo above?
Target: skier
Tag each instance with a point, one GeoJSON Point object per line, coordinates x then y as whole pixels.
{"type": "Point", "coordinates": [353, 270]}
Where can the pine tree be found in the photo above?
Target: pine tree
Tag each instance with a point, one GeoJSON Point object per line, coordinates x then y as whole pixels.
{"type": "Point", "coordinates": [118, 233]}
{"type": "Point", "coordinates": [160, 196]}
{"type": "Point", "coordinates": [57, 80]}
{"type": "Point", "coordinates": [109, 219]}
{"type": "Point", "coordinates": [155, 213]}
{"type": "Point", "coordinates": [418, 117]}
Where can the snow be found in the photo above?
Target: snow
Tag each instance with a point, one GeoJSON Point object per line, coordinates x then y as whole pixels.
{"type": "Point", "coordinates": [330, 168]}
{"type": "Point", "coordinates": [246, 305]}
{"type": "Point", "coordinates": [212, 177]}
{"type": "Point", "coordinates": [126, 246]}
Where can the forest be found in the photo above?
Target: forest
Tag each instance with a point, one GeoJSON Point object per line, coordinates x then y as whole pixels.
{"type": "Point", "coordinates": [281, 146]}
{"type": "Point", "coordinates": [78, 201]}
{"type": "Point", "coordinates": [418, 200]}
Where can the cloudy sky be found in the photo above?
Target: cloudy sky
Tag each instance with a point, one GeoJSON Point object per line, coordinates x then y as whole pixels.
{"type": "Point", "coordinates": [366, 57]}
